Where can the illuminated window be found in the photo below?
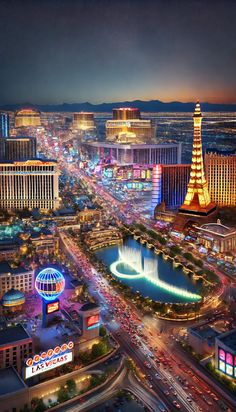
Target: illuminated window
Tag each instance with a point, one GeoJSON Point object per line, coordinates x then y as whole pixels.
{"type": "Point", "coordinates": [222, 354]}
{"type": "Point", "coordinates": [229, 359]}
{"type": "Point", "coordinates": [222, 366]}
{"type": "Point", "coordinates": [229, 370]}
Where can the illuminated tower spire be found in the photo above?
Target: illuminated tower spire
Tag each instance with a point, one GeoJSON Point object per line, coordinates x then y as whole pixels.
{"type": "Point", "coordinates": [197, 200]}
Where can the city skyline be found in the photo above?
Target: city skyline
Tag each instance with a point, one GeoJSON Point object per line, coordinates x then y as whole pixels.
{"type": "Point", "coordinates": [118, 205]}
{"type": "Point", "coordinates": [75, 51]}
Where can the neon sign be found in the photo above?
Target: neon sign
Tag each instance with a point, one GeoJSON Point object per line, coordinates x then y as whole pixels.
{"type": "Point", "coordinates": [92, 321]}
{"type": "Point", "coordinates": [53, 358]}
{"type": "Point", "coordinates": [225, 362]}
{"type": "Point", "coordinates": [52, 307]}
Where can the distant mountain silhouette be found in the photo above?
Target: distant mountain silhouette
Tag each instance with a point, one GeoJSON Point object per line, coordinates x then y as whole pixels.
{"type": "Point", "coordinates": [145, 106]}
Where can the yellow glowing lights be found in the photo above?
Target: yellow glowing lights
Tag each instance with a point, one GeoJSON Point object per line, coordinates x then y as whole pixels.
{"type": "Point", "coordinates": [197, 183]}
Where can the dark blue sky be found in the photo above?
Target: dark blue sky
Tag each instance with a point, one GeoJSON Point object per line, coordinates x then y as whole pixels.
{"type": "Point", "coordinates": [103, 50]}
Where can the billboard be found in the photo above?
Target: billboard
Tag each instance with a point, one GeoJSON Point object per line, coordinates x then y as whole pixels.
{"type": "Point", "coordinates": [49, 360]}
{"type": "Point", "coordinates": [92, 321]}
{"type": "Point", "coordinates": [52, 307]}
{"type": "Point", "coordinates": [226, 362]}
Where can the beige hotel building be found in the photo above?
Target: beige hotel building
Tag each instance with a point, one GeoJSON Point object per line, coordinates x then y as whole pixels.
{"type": "Point", "coordinates": [19, 279]}
{"type": "Point", "coordinates": [127, 126]}
{"type": "Point", "coordinates": [29, 184]}
{"type": "Point", "coordinates": [220, 170]}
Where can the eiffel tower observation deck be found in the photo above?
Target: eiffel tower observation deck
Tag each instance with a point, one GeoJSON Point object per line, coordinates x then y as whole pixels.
{"type": "Point", "coordinates": [197, 200]}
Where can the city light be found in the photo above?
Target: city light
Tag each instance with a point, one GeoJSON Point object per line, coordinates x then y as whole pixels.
{"type": "Point", "coordinates": [49, 283]}
{"type": "Point", "coordinates": [118, 206]}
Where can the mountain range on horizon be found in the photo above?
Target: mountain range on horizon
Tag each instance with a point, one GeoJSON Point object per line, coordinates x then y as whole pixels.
{"type": "Point", "coordinates": [144, 106]}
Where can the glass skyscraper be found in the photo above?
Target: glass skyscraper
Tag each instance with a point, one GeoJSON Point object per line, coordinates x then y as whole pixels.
{"type": "Point", "coordinates": [4, 125]}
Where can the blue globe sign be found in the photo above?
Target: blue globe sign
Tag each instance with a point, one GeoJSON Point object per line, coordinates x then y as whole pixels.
{"type": "Point", "coordinates": [49, 283]}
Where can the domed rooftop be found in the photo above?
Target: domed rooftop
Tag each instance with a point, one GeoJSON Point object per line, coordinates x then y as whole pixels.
{"type": "Point", "coordinates": [27, 111]}
{"type": "Point", "coordinates": [13, 298]}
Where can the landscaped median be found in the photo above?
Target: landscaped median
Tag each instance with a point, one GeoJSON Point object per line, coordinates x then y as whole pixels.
{"type": "Point", "coordinates": [94, 384]}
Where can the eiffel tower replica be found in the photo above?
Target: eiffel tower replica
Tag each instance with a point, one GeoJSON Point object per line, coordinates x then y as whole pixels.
{"type": "Point", "coordinates": [197, 205]}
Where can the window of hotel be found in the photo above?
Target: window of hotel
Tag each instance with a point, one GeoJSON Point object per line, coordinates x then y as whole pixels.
{"type": "Point", "coordinates": [227, 363]}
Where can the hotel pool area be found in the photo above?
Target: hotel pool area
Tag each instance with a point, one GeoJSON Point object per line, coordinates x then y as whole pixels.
{"type": "Point", "coordinates": [143, 271]}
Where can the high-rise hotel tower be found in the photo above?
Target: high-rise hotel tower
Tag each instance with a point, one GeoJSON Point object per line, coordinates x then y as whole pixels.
{"type": "Point", "coordinates": [27, 118]}
{"type": "Point", "coordinates": [197, 200]}
{"type": "Point", "coordinates": [83, 121]}
{"type": "Point", "coordinates": [4, 125]}
{"type": "Point", "coordinates": [220, 170]}
{"type": "Point", "coordinates": [127, 126]}
{"type": "Point", "coordinates": [29, 184]}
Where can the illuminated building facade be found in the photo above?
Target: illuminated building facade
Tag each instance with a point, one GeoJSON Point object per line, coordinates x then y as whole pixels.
{"type": "Point", "coordinates": [219, 238]}
{"type": "Point", "coordinates": [133, 172]}
{"type": "Point", "coordinates": [9, 249]}
{"type": "Point", "coordinates": [225, 353]}
{"type": "Point", "coordinates": [102, 237]}
{"type": "Point", "coordinates": [89, 215]}
{"type": "Point", "coordinates": [15, 346]}
{"type": "Point", "coordinates": [197, 200]}
{"type": "Point", "coordinates": [220, 170]}
{"type": "Point", "coordinates": [20, 148]}
{"type": "Point", "coordinates": [127, 127]}
{"type": "Point", "coordinates": [30, 184]}
{"type": "Point", "coordinates": [126, 113]}
{"type": "Point", "coordinates": [4, 125]}
{"type": "Point", "coordinates": [44, 242]}
{"type": "Point", "coordinates": [19, 278]}
{"type": "Point", "coordinates": [156, 186]}
{"type": "Point", "coordinates": [148, 154]}
{"type": "Point", "coordinates": [83, 121]}
{"type": "Point", "coordinates": [202, 339]}
{"type": "Point", "coordinates": [174, 183]}
{"type": "Point", "coordinates": [89, 315]}
{"type": "Point", "coordinates": [27, 118]}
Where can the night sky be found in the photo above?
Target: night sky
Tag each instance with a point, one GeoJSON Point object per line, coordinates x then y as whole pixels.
{"type": "Point", "coordinates": [111, 50]}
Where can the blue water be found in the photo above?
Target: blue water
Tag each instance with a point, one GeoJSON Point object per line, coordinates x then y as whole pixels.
{"type": "Point", "coordinates": [171, 275]}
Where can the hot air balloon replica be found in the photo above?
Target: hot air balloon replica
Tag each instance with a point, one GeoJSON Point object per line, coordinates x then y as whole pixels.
{"type": "Point", "coordinates": [49, 283]}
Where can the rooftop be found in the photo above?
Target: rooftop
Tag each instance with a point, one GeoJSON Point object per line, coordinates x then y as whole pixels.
{"type": "Point", "coordinates": [76, 282]}
{"type": "Point", "coordinates": [229, 339]}
{"type": "Point", "coordinates": [14, 139]}
{"type": "Point", "coordinates": [89, 306]}
{"type": "Point", "coordinates": [35, 161]}
{"type": "Point", "coordinates": [6, 268]}
{"type": "Point", "coordinates": [13, 334]}
{"type": "Point", "coordinates": [204, 332]}
{"type": "Point", "coordinates": [126, 146]}
{"type": "Point", "coordinates": [27, 111]}
{"type": "Point", "coordinates": [217, 228]}
{"type": "Point", "coordinates": [10, 381]}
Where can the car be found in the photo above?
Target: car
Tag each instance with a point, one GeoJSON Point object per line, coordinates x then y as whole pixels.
{"type": "Point", "coordinates": [176, 404]}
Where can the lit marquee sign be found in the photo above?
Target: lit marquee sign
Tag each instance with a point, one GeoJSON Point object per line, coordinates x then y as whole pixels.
{"type": "Point", "coordinates": [227, 363]}
{"type": "Point", "coordinates": [51, 359]}
{"type": "Point", "coordinates": [92, 321]}
{"type": "Point", "coordinates": [52, 307]}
